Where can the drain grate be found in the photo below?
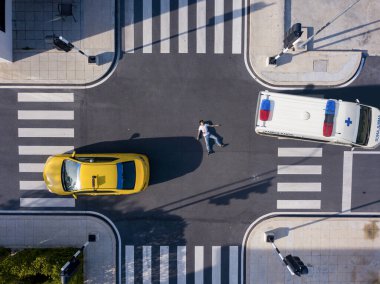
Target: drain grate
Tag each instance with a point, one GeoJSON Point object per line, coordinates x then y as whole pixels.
{"type": "Point", "coordinates": [320, 65]}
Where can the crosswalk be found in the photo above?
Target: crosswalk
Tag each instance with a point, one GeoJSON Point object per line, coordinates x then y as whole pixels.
{"type": "Point", "coordinates": [291, 166]}
{"type": "Point", "coordinates": [183, 26]}
{"type": "Point", "coordinates": [35, 144]}
{"type": "Point", "coordinates": [169, 264]}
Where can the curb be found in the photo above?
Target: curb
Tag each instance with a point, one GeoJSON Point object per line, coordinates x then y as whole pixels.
{"type": "Point", "coordinates": [324, 215]}
{"type": "Point", "coordinates": [105, 76]}
{"type": "Point", "coordinates": [102, 217]}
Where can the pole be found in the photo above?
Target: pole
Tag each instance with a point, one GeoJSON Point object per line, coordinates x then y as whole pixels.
{"type": "Point", "coordinates": [273, 60]}
{"type": "Point", "coordinates": [328, 23]}
{"type": "Point", "coordinates": [280, 255]}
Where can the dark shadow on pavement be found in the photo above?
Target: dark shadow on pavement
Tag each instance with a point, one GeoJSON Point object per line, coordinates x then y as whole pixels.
{"type": "Point", "coordinates": [169, 157]}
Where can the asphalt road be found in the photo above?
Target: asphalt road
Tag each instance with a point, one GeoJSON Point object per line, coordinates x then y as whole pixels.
{"type": "Point", "coordinates": [152, 104]}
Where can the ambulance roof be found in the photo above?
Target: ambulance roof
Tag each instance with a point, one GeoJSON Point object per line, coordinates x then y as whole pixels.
{"type": "Point", "coordinates": [304, 117]}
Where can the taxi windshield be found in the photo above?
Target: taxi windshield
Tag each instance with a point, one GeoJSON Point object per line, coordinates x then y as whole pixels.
{"type": "Point", "coordinates": [126, 175]}
{"type": "Point", "coordinates": [364, 125]}
{"type": "Point", "coordinates": [70, 175]}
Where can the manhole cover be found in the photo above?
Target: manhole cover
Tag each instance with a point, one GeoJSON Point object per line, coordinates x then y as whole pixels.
{"type": "Point", "coordinates": [320, 65]}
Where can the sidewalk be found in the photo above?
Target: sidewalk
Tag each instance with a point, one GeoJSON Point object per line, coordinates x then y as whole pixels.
{"type": "Point", "coordinates": [344, 249]}
{"type": "Point", "coordinates": [65, 229]}
{"type": "Point", "coordinates": [37, 62]}
{"type": "Point", "coordinates": [333, 57]}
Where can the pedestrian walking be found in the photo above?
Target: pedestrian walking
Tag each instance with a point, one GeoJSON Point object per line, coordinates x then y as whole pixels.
{"type": "Point", "coordinates": [203, 128]}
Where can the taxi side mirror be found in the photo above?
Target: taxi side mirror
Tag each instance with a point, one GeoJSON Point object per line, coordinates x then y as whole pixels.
{"type": "Point", "coordinates": [357, 101]}
{"type": "Point", "coordinates": [73, 154]}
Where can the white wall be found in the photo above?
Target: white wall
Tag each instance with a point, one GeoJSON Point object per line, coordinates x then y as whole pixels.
{"type": "Point", "coordinates": [6, 50]}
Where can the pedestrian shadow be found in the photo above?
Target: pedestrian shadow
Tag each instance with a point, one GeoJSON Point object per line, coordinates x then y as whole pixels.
{"type": "Point", "coordinates": [169, 157]}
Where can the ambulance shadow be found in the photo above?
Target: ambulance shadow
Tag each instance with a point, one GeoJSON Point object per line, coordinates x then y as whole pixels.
{"type": "Point", "coordinates": [368, 95]}
{"type": "Point", "coordinates": [169, 157]}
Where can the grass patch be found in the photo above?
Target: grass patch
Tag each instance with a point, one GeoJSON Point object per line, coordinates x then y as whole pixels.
{"type": "Point", "coordinates": [37, 266]}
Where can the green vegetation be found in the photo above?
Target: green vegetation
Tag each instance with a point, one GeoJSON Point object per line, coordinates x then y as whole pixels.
{"type": "Point", "coordinates": [37, 266]}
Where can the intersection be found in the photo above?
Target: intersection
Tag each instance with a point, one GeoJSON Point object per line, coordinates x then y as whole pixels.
{"type": "Point", "coordinates": [191, 220]}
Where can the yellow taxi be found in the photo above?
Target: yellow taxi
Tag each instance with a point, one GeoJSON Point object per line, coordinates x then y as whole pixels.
{"type": "Point", "coordinates": [96, 174]}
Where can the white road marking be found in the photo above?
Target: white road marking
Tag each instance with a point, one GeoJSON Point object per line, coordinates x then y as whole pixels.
{"type": "Point", "coordinates": [237, 19]}
{"type": "Point", "coordinates": [300, 152]}
{"type": "Point", "coordinates": [216, 259]}
{"type": "Point", "coordinates": [181, 265]}
{"type": "Point", "coordinates": [198, 264]}
{"type": "Point", "coordinates": [46, 132]}
{"type": "Point", "coordinates": [299, 187]}
{"type": "Point", "coordinates": [147, 264]}
{"type": "Point", "coordinates": [43, 150]}
{"type": "Point", "coordinates": [46, 97]}
{"type": "Point", "coordinates": [165, 26]}
{"type": "Point", "coordinates": [234, 265]}
{"type": "Point", "coordinates": [130, 264]}
{"type": "Point", "coordinates": [129, 27]}
{"type": "Point", "coordinates": [47, 202]}
{"type": "Point", "coordinates": [32, 185]}
{"type": "Point", "coordinates": [164, 264]}
{"type": "Point", "coordinates": [201, 26]}
{"type": "Point", "coordinates": [147, 26]}
{"type": "Point", "coordinates": [31, 167]}
{"type": "Point", "coordinates": [219, 27]}
{"type": "Point", "coordinates": [299, 170]}
{"type": "Point", "coordinates": [347, 181]}
{"type": "Point", "coordinates": [298, 204]}
{"type": "Point", "coordinates": [46, 114]}
{"type": "Point", "coordinates": [182, 26]}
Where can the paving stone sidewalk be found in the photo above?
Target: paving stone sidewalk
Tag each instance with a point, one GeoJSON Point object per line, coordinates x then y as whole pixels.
{"type": "Point", "coordinates": [36, 61]}
{"type": "Point", "coordinates": [31, 230]}
{"type": "Point", "coordinates": [333, 58]}
{"type": "Point", "coordinates": [336, 249]}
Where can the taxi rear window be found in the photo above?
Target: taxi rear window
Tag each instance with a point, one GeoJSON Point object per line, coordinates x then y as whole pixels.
{"type": "Point", "coordinates": [126, 175]}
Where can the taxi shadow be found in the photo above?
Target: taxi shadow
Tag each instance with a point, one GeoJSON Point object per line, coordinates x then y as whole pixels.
{"type": "Point", "coordinates": [169, 157]}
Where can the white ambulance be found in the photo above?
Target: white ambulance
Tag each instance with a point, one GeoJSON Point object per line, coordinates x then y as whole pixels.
{"type": "Point", "coordinates": [320, 120]}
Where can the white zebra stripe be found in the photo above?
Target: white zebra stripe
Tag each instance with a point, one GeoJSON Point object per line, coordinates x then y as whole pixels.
{"type": "Point", "coordinates": [201, 26]}
{"type": "Point", "coordinates": [147, 264]}
{"type": "Point", "coordinates": [182, 27]}
{"type": "Point", "coordinates": [46, 132]}
{"type": "Point", "coordinates": [45, 114]}
{"type": "Point", "coordinates": [181, 265]}
{"type": "Point", "coordinates": [129, 27]}
{"type": "Point", "coordinates": [298, 204]}
{"type": "Point", "coordinates": [165, 26]}
{"type": "Point", "coordinates": [164, 264]}
{"type": "Point", "coordinates": [198, 264]}
{"type": "Point", "coordinates": [46, 97]}
{"type": "Point", "coordinates": [129, 264]}
{"type": "Point", "coordinates": [234, 265]}
{"type": "Point", "coordinates": [43, 150]}
{"type": "Point", "coordinates": [147, 26]}
{"type": "Point", "coordinates": [31, 167]}
{"type": "Point", "coordinates": [299, 187]}
{"type": "Point", "coordinates": [237, 20]}
{"type": "Point", "coordinates": [216, 259]}
{"type": "Point", "coordinates": [300, 152]}
{"type": "Point", "coordinates": [219, 27]}
{"type": "Point", "coordinates": [299, 170]}
{"type": "Point", "coordinates": [47, 202]}
{"type": "Point", "coordinates": [32, 185]}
